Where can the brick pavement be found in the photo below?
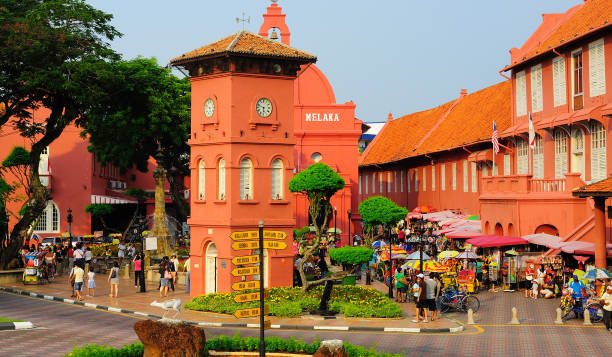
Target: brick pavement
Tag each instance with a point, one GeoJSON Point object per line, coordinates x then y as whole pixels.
{"type": "Point", "coordinates": [130, 299]}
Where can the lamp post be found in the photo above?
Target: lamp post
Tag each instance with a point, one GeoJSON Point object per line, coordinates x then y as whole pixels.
{"type": "Point", "coordinates": [335, 227]}
{"type": "Point", "coordinates": [349, 226]}
{"type": "Point", "coordinates": [69, 220]}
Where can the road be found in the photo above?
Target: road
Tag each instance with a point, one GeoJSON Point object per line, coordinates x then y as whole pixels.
{"type": "Point", "coordinates": [61, 326]}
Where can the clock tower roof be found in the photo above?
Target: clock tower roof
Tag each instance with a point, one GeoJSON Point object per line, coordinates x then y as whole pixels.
{"type": "Point", "coordinates": [247, 44]}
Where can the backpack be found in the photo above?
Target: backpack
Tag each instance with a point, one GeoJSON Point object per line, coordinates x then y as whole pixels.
{"type": "Point", "coordinates": [114, 273]}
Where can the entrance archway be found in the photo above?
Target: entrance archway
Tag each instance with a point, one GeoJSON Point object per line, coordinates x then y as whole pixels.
{"type": "Point", "coordinates": [548, 229]}
{"type": "Point", "coordinates": [211, 269]}
{"type": "Point", "coordinates": [499, 230]}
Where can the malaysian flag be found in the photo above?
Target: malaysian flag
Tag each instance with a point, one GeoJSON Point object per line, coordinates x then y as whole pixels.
{"type": "Point", "coordinates": [494, 139]}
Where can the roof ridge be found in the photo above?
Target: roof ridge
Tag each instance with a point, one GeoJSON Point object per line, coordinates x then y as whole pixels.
{"type": "Point", "coordinates": [233, 43]}
{"type": "Point", "coordinates": [279, 43]}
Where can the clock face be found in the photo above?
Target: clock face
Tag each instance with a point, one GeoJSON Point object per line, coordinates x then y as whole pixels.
{"type": "Point", "coordinates": [263, 107]}
{"type": "Point", "coordinates": [209, 107]}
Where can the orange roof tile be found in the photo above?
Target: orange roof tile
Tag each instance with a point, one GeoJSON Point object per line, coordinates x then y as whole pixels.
{"type": "Point", "coordinates": [560, 29]}
{"type": "Point", "coordinates": [600, 188]}
{"type": "Point", "coordinates": [454, 124]}
{"type": "Point", "coordinates": [246, 43]}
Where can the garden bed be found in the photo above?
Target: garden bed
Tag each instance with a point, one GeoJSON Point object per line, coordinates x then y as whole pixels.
{"type": "Point", "coordinates": [6, 320]}
{"type": "Point", "coordinates": [351, 301]}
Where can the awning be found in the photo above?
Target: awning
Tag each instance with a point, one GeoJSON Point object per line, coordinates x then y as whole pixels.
{"type": "Point", "coordinates": [544, 239]}
{"type": "Point", "coordinates": [110, 200]}
{"type": "Point", "coordinates": [463, 234]}
{"type": "Point", "coordinates": [482, 155]}
{"type": "Point", "coordinates": [495, 241]}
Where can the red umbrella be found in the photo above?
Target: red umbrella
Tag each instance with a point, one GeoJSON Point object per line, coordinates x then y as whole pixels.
{"type": "Point", "coordinates": [495, 241]}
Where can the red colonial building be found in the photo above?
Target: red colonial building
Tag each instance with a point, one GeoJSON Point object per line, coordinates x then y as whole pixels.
{"type": "Point", "coordinates": [562, 77]}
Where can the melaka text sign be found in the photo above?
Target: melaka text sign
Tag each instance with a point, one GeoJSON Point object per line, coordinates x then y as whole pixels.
{"type": "Point", "coordinates": [247, 235]}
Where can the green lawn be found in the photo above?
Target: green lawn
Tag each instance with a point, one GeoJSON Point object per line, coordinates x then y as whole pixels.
{"type": "Point", "coordinates": [4, 319]}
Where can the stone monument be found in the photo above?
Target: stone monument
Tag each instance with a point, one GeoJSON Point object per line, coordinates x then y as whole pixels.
{"type": "Point", "coordinates": [160, 228]}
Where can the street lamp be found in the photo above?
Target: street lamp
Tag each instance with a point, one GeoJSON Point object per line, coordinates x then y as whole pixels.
{"type": "Point", "coordinates": [335, 227]}
{"type": "Point", "coordinates": [69, 220]}
{"type": "Point", "coordinates": [390, 267]}
{"type": "Point", "coordinates": [349, 226]}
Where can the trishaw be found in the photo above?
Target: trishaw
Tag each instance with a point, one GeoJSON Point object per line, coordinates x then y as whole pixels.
{"type": "Point", "coordinates": [35, 269]}
{"type": "Point", "coordinates": [466, 280]}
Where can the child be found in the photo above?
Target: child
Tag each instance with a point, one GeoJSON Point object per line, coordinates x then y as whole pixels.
{"type": "Point", "coordinates": [91, 284]}
{"type": "Point", "coordinates": [535, 289]}
{"type": "Point", "coordinates": [78, 281]}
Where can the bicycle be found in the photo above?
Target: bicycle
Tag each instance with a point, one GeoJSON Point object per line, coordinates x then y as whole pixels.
{"type": "Point", "coordinates": [458, 300]}
{"type": "Point", "coordinates": [574, 308]}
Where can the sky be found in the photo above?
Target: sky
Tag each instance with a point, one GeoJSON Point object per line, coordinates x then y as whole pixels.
{"type": "Point", "coordinates": [393, 56]}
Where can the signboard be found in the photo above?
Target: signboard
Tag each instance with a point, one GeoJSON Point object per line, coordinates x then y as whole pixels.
{"type": "Point", "coordinates": [245, 271]}
{"type": "Point", "coordinates": [245, 259]}
{"type": "Point", "coordinates": [245, 285]}
{"type": "Point", "coordinates": [252, 312]}
{"type": "Point", "coordinates": [151, 243]}
{"type": "Point", "coordinates": [98, 234]}
{"type": "Point", "coordinates": [250, 297]}
{"type": "Point", "coordinates": [247, 235]}
{"type": "Point", "coordinates": [250, 245]}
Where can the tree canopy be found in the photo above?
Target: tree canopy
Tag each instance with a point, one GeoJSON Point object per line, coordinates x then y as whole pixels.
{"type": "Point", "coordinates": [351, 255]}
{"type": "Point", "coordinates": [147, 108]}
{"type": "Point", "coordinates": [54, 60]}
{"type": "Point", "coordinates": [380, 210]}
{"type": "Point", "coordinates": [318, 179]}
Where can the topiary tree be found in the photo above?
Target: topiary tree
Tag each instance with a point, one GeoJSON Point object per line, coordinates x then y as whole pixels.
{"type": "Point", "coordinates": [319, 183]}
{"type": "Point", "coordinates": [100, 210]}
{"type": "Point", "coordinates": [380, 211]}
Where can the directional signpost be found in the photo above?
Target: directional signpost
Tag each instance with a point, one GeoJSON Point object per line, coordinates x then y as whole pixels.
{"type": "Point", "coordinates": [253, 244]}
{"type": "Point", "coordinates": [245, 259]}
{"type": "Point", "coordinates": [252, 312]}
{"type": "Point", "coordinates": [250, 297]}
{"type": "Point", "coordinates": [245, 285]}
{"type": "Point", "coordinates": [245, 271]}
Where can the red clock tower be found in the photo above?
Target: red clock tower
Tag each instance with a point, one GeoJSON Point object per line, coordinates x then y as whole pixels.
{"type": "Point", "coordinates": [242, 143]}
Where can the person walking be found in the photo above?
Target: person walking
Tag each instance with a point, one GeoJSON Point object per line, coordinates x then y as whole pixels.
{"type": "Point", "coordinates": [606, 303]}
{"type": "Point", "coordinates": [187, 268]}
{"type": "Point", "coordinates": [79, 255]}
{"type": "Point", "coordinates": [87, 258]}
{"type": "Point", "coordinates": [137, 270]}
{"type": "Point", "coordinates": [121, 252]}
{"type": "Point", "coordinates": [164, 278]}
{"type": "Point", "coordinates": [78, 282]}
{"type": "Point", "coordinates": [430, 296]}
{"type": "Point", "coordinates": [113, 279]}
{"type": "Point", "coordinates": [436, 278]}
{"type": "Point", "coordinates": [91, 284]}
{"type": "Point", "coordinates": [419, 291]}
{"type": "Point", "coordinates": [174, 266]}
{"type": "Point", "coordinates": [401, 287]}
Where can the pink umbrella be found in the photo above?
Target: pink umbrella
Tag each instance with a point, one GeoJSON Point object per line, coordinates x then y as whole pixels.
{"type": "Point", "coordinates": [463, 234]}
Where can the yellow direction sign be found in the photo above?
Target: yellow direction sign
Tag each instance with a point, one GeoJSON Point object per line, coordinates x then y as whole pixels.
{"type": "Point", "coordinates": [274, 245]}
{"type": "Point", "coordinates": [268, 244]}
{"type": "Point", "coordinates": [252, 312]}
{"type": "Point", "coordinates": [250, 297]}
{"type": "Point", "coordinates": [249, 245]}
{"type": "Point", "coordinates": [245, 259]}
{"type": "Point", "coordinates": [245, 285]}
{"type": "Point", "coordinates": [245, 271]}
{"type": "Point", "coordinates": [248, 235]}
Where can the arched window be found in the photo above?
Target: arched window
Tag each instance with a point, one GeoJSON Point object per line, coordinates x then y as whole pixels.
{"type": "Point", "coordinates": [246, 179]}
{"type": "Point", "coordinates": [201, 181]}
{"type": "Point", "coordinates": [598, 152]}
{"type": "Point", "coordinates": [560, 153]}
{"type": "Point", "coordinates": [49, 219]}
{"type": "Point", "coordinates": [221, 179]}
{"type": "Point", "coordinates": [277, 179]}
{"type": "Point", "coordinates": [538, 158]}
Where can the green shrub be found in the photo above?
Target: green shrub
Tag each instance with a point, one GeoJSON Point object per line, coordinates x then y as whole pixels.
{"type": "Point", "coordinates": [351, 255]}
{"type": "Point", "coordinates": [134, 350]}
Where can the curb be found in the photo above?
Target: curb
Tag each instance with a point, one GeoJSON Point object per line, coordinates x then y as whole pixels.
{"type": "Point", "coordinates": [234, 324]}
{"type": "Point", "coordinates": [24, 325]}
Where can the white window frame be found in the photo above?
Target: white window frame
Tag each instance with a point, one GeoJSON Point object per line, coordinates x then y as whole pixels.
{"type": "Point", "coordinates": [246, 179]}
{"type": "Point", "coordinates": [536, 88]}
{"type": "Point", "coordinates": [380, 182]}
{"type": "Point", "coordinates": [507, 168]}
{"type": "Point", "coordinates": [465, 176]}
{"type": "Point", "coordinates": [416, 180]}
{"type": "Point", "coordinates": [367, 184]}
{"type": "Point", "coordinates": [573, 67]}
{"type": "Point", "coordinates": [433, 177]}
{"type": "Point", "coordinates": [561, 140]}
{"type": "Point", "coordinates": [425, 179]}
{"type": "Point", "coordinates": [521, 93]}
{"type": "Point", "coordinates": [201, 180]}
{"type": "Point", "coordinates": [597, 68]}
{"type": "Point", "coordinates": [598, 151]}
{"type": "Point", "coordinates": [474, 176]}
{"type": "Point", "coordinates": [360, 184]}
{"type": "Point", "coordinates": [409, 180]}
{"type": "Point", "coordinates": [395, 181]}
{"type": "Point", "coordinates": [559, 81]}
{"type": "Point", "coordinates": [373, 182]}
{"type": "Point", "coordinates": [454, 172]}
{"type": "Point", "coordinates": [388, 181]}
{"type": "Point", "coordinates": [401, 180]}
{"type": "Point", "coordinates": [277, 179]}
{"type": "Point", "coordinates": [522, 157]}
{"type": "Point", "coordinates": [221, 190]}
{"type": "Point", "coordinates": [443, 177]}
{"type": "Point", "coordinates": [538, 158]}
{"type": "Point", "coordinates": [49, 219]}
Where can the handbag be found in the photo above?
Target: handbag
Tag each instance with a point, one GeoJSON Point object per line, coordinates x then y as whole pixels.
{"type": "Point", "coordinates": [404, 281]}
{"type": "Point", "coordinates": [167, 275]}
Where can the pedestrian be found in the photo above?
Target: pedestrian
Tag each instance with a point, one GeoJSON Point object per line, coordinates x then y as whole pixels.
{"type": "Point", "coordinates": [187, 268]}
{"type": "Point", "coordinates": [530, 276]}
{"type": "Point", "coordinates": [113, 279]}
{"type": "Point", "coordinates": [91, 284]}
{"type": "Point", "coordinates": [78, 282]}
{"type": "Point", "coordinates": [71, 278]}
{"type": "Point", "coordinates": [400, 286]}
{"type": "Point", "coordinates": [137, 270]}
{"type": "Point", "coordinates": [606, 302]}
{"type": "Point", "coordinates": [418, 288]}
{"type": "Point", "coordinates": [79, 255]}
{"type": "Point", "coordinates": [121, 252]}
{"type": "Point", "coordinates": [430, 296]}
{"type": "Point", "coordinates": [87, 258]}
{"type": "Point", "coordinates": [164, 278]}
{"type": "Point", "coordinates": [174, 266]}
{"type": "Point", "coordinates": [70, 257]}
{"type": "Point", "coordinates": [436, 278]}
